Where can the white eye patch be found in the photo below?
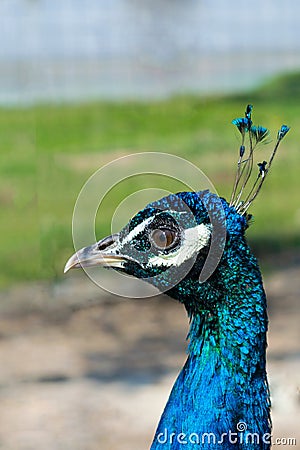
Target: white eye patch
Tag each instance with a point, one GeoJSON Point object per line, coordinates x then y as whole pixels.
{"type": "Point", "coordinates": [137, 230]}
{"type": "Point", "coordinates": [193, 240]}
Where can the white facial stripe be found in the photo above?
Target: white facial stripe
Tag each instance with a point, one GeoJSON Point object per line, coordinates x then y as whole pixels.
{"type": "Point", "coordinates": [140, 228]}
{"type": "Point", "coordinates": [194, 239]}
{"type": "Point", "coordinates": [137, 230]}
{"type": "Point", "coordinates": [175, 213]}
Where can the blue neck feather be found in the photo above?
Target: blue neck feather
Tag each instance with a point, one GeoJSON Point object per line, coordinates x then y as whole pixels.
{"type": "Point", "coordinates": [222, 387]}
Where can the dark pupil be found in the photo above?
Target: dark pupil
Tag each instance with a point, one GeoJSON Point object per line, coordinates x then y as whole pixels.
{"type": "Point", "coordinates": [163, 238]}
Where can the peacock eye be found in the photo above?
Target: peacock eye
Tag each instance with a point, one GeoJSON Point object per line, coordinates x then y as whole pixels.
{"type": "Point", "coordinates": [162, 238]}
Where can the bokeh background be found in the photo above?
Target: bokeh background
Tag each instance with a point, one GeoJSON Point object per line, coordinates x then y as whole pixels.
{"type": "Point", "coordinates": [84, 82]}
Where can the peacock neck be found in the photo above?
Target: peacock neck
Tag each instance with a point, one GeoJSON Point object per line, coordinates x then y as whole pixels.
{"type": "Point", "coordinates": [223, 383]}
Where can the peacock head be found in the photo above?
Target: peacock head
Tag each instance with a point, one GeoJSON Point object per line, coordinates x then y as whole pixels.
{"type": "Point", "coordinates": [178, 242]}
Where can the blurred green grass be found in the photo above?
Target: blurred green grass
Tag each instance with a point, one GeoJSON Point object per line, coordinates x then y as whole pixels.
{"type": "Point", "coordinates": [47, 152]}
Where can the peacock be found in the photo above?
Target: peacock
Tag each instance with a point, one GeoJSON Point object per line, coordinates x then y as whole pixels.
{"type": "Point", "coordinates": [221, 397]}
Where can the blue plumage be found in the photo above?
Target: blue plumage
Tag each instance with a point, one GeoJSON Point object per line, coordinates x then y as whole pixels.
{"type": "Point", "coordinates": [220, 399]}
{"type": "Point", "coordinates": [224, 381]}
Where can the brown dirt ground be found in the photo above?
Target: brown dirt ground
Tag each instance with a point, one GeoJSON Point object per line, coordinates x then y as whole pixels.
{"type": "Point", "coordinates": [84, 370]}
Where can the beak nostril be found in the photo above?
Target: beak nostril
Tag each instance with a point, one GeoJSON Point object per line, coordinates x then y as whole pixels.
{"type": "Point", "coordinates": [107, 242]}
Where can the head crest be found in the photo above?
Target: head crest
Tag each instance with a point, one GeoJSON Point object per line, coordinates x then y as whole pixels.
{"type": "Point", "coordinates": [242, 195]}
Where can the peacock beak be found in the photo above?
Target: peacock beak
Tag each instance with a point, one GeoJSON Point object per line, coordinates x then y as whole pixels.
{"type": "Point", "coordinates": [100, 254]}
